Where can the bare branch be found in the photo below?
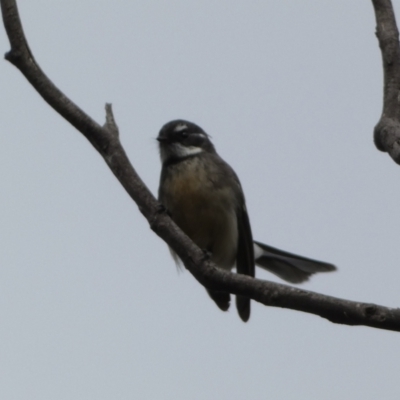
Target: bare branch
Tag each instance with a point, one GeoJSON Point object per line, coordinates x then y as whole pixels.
{"type": "Point", "coordinates": [106, 141]}
{"type": "Point", "coordinates": [387, 131]}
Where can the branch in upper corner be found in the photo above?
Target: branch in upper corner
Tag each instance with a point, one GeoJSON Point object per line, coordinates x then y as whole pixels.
{"type": "Point", "coordinates": [387, 130]}
{"type": "Point", "coordinates": [105, 140]}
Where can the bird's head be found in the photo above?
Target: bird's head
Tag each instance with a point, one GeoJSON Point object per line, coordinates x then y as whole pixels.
{"type": "Point", "coordinates": [181, 139]}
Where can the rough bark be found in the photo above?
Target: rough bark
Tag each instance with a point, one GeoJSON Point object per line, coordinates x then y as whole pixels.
{"type": "Point", "coordinates": [387, 130]}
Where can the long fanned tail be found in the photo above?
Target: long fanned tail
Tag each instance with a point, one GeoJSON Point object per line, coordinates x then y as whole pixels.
{"type": "Point", "coordinates": [290, 267]}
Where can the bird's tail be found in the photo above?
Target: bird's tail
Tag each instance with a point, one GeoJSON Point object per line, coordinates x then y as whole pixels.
{"type": "Point", "coordinates": [290, 267]}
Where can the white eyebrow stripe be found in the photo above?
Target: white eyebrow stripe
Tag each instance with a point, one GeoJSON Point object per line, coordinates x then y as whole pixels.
{"type": "Point", "coordinates": [180, 127]}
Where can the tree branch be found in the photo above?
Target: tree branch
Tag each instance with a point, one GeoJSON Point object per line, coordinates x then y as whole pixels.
{"type": "Point", "coordinates": [106, 141]}
{"type": "Point", "coordinates": [387, 130]}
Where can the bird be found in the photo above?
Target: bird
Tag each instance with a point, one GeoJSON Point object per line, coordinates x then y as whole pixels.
{"type": "Point", "coordinates": [204, 197]}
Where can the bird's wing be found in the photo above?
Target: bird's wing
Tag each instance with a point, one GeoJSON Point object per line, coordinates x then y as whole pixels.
{"type": "Point", "coordinates": [290, 267]}
{"type": "Point", "coordinates": [244, 259]}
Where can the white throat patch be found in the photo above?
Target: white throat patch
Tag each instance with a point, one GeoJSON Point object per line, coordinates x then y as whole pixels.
{"type": "Point", "coordinates": [179, 151]}
{"type": "Point", "coordinates": [184, 151]}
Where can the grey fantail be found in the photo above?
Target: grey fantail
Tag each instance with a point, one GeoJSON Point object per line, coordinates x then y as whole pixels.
{"type": "Point", "coordinates": [204, 197]}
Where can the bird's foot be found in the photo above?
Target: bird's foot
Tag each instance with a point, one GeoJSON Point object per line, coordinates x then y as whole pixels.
{"type": "Point", "coordinates": [161, 209]}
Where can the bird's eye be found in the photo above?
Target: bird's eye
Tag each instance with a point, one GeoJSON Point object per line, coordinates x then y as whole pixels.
{"type": "Point", "coordinates": [183, 134]}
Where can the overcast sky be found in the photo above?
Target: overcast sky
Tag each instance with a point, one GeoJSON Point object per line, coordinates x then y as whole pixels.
{"type": "Point", "coordinates": [91, 304]}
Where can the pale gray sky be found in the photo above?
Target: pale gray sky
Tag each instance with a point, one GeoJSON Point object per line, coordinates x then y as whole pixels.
{"type": "Point", "coordinates": [91, 304]}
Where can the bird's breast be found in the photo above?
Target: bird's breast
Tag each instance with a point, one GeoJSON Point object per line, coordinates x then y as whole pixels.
{"type": "Point", "coordinates": [203, 206]}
